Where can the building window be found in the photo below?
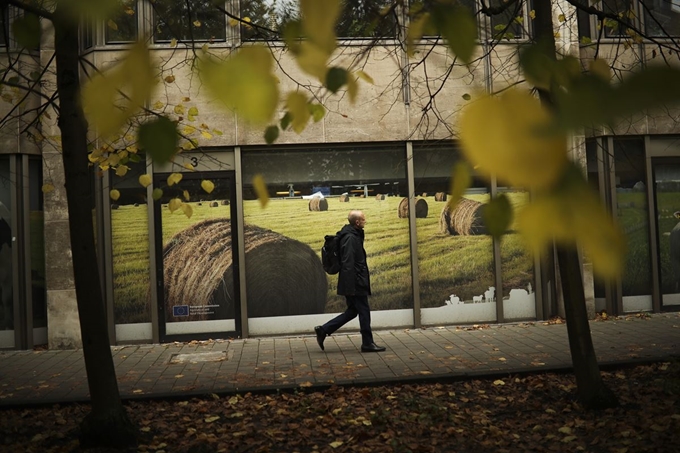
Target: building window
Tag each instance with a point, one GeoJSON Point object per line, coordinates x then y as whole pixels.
{"type": "Point", "coordinates": [4, 26]}
{"type": "Point", "coordinates": [662, 17]}
{"type": "Point", "coordinates": [358, 19]}
{"type": "Point", "coordinates": [122, 27]}
{"type": "Point", "coordinates": [189, 20]}
{"type": "Point", "coordinates": [86, 33]}
{"type": "Point", "coordinates": [511, 23]}
{"type": "Point", "coordinates": [623, 9]}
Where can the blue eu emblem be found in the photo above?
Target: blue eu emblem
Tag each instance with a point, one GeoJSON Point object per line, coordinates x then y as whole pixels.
{"type": "Point", "coordinates": [180, 310]}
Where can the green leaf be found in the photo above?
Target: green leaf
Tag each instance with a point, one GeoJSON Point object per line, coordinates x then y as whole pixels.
{"type": "Point", "coordinates": [135, 158]}
{"type": "Point", "coordinates": [157, 194]}
{"type": "Point", "coordinates": [245, 82]}
{"type": "Point", "coordinates": [467, 97]}
{"type": "Point", "coordinates": [497, 215]}
{"type": "Point", "coordinates": [159, 138]}
{"type": "Point", "coordinates": [286, 120]}
{"type": "Point", "coordinates": [271, 134]}
{"type": "Point", "coordinates": [335, 79]}
{"type": "Point", "coordinates": [318, 111]}
{"type": "Point", "coordinates": [296, 103]}
{"type": "Point", "coordinates": [27, 30]}
{"type": "Point", "coordinates": [458, 26]}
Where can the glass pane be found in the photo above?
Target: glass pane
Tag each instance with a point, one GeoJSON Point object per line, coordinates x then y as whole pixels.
{"type": "Point", "coordinates": [667, 181]}
{"type": "Point", "coordinates": [86, 33]}
{"type": "Point", "coordinates": [129, 233]}
{"type": "Point", "coordinates": [662, 17]}
{"type": "Point", "coordinates": [197, 20]}
{"type": "Point", "coordinates": [510, 24]}
{"type": "Point", "coordinates": [517, 265]}
{"type": "Point", "coordinates": [455, 255]}
{"type": "Point", "coordinates": [4, 26]}
{"type": "Point", "coordinates": [592, 163]}
{"type": "Point", "coordinates": [37, 243]}
{"type": "Point", "coordinates": [6, 243]}
{"type": "Point", "coordinates": [369, 179]}
{"type": "Point", "coordinates": [632, 214]}
{"type": "Point", "coordinates": [198, 265]}
{"type": "Point", "coordinates": [358, 19]}
{"type": "Point", "coordinates": [621, 8]}
{"type": "Point", "coordinates": [122, 27]}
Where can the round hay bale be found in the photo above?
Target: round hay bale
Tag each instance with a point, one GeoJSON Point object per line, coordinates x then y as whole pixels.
{"type": "Point", "coordinates": [424, 194]}
{"type": "Point", "coordinates": [402, 210]}
{"type": "Point", "coordinates": [421, 208]}
{"type": "Point", "coordinates": [114, 206]}
{"type": "Point", "coordinates": [214, 204]}
{"type": "Point", "coordinates": [318, 204]}
{"type": "Point", "coordinates": [440, 196]}
{"type": "Point", "coordinates": [285, 276]}
{"type": "Point", "coordinates": [135, 205]}
{"type": "Point", "coordinates": [380, 197]}
{"type": "Point", "coordinates": [344, 198]}
{"type": "Point", "coordinates": [465, 220]}
{"type": "Point", "coordinates": [224, 202]}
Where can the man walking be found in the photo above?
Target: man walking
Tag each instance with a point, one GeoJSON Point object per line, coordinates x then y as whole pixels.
{"type": "Point", "coordinates": [353, 283]}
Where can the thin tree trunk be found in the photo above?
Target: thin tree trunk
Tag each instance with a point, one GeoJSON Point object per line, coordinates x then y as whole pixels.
{"type": "Point", "coordinates": [108, 423]}
{"type": "Point", "coordinates": [592, 392]}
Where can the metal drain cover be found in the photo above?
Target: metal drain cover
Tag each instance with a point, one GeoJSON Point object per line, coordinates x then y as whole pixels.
{"type": "Point", "coordinates": [195, 357]}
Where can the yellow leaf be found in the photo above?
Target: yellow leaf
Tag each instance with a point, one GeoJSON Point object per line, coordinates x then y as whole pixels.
{"type": "Point", "coordinates": [188, 166]}
{"type": "Point", "coordinates": [187, 209]}
{"type": "Point", "coordinates": [197, 23]}
{"type": "Point", "coordinates": [112, 25]}
{"type": "Point", "coordinates": [415, 31]}
{"type": "Point", "coordinates": [600, 68]}
{"type": "Point", "coordinates": [145, 180]}
{"type": "Point", "coordinates": [335, 444]}
{"type": "Point", "coordinates": [113, 160]}
{"type": "Point", "coordinates": [233, 22]}
{"type": "Point", "coordinates": [174, 204]}
{"type": "Point", "coordinates": [460, 181]}
{"type": "Point", "coordinates": [179, 109]}
{"type": "Point", "coordinates": [352, 89]}
{"type": "Point", "coordinates": [532, 14]}
{"type": "Point", "coordinates": [312, 60]}
{"type": "Point", "coordinates": [318, 24]}
{"type": "Point", "coordinates": [174, 178]}
{"type": "Point", "coordinates": [569, 439]}
{"type": "Point", "coordinates": [561, 18]}
{"type": "Point", "coordinates": [173, 42]}
{"type": "Point", "coordinates": [193, 111]}
{"type": "Point", "coordinates": [296, 103]}
{"type": "Point", "coordinates": [206, 135]}
{"type": "Point", "coordinates": [158, 105]}
{"type": "Point", "coordinates": [114, 194]}
{"type": "Point", "coordinates": [122, 170]}
{"type": "Point", "coordinates": [306, 384]}
{"type": "Point", "coordinates": [208, 186]}
{"type": "Point", "coordinates": [260, 188]}
{"type": "Point", "coordinates": [365, 77]}
{"type": "Point", "coordinates": [188, 130]}
{"type": "Point", "coordinates": [185, 194]}
{"type": "Point", "coordinates": [170, 79]}
{"type": "Point", "coordinates": [205, 47]}
{"type": "Point", "coordinates": [211, 419]}
{"type": "Point", "coordinates": [244, 82]}
{"type": "Point", "coordinates": [565, 430]}
{"type": "Point", "coordinates": [47, 188]}
{"type": "Point", "coordinates": [105, 108]}
{"type": "Point", "coordinates": [508, 136]}
{"type": "Point", "coordinates": [498, 382]}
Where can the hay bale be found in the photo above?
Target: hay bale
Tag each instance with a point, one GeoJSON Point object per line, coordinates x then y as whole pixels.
{"type": "Point", "coordinates": [224, 202]}
{"type": "Point", "coordinates": [424, 194]}
{"type": "Point", "coordinates": [344, 198]}
{"type": "Point", "coordinates": [135, 205]}
{"type": "Point", "coordinates": [465, 220]}
{"type": "Point", "coordinates": [318, 204]}
{"type": "Point", "coordinates": [421, 208]}
{"type": "Point", "coordinates": [285, 276]}
{"type": "Point", "coordinates": [214, 204]}
{"type": "Point", "coordinates": [114, 206]}
{"type": "Point", "coordinates": [440, 196]}
{"type": "Point", "coordinates": [380, 197]}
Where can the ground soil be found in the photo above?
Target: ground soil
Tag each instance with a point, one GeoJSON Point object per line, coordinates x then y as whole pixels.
{"type": "Point", "coordinates": [532, 413]}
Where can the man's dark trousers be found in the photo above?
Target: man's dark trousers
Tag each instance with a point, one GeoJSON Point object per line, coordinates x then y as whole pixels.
{"type": "Point", "coordinates": [356, 305]}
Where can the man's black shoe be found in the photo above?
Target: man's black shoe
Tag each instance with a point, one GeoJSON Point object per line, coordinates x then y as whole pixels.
{"type": "Point", "coordinates": [372, 348]}
{"type": "Point", "coordinates": [320, 336]}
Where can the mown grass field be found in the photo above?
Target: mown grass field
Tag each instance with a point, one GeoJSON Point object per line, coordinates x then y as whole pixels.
{"type": "Point", "coordinates": [461, 265]}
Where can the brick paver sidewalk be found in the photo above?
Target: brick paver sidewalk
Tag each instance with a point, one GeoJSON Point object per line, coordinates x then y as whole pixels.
{"type": "Point", "coordinates": [255, 364]}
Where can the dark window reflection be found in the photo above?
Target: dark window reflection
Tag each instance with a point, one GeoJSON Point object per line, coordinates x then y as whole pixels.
{"type": "Point", "coordinates": [6, 244]}
{"type": "Point", "coordinates": [187, 20]}
{"type": "Point", "coordinates": [122, 26]}
{"type": "Point", "coordinates": [662, 17]}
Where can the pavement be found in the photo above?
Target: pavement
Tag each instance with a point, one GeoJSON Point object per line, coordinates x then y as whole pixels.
{"type": "Point", "coordinates": [181, 370]}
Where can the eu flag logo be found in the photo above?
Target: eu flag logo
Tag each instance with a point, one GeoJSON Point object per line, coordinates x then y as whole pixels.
{"type": "Point", "coordinates": [180, 310]}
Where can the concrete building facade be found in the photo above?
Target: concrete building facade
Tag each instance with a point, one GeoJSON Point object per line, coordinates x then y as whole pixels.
{"type": "Point", "coordinates": [236, 269]}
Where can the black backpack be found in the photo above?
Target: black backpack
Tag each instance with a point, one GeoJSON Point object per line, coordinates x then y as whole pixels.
{"type": "Point", "coordinates": [330, 254]}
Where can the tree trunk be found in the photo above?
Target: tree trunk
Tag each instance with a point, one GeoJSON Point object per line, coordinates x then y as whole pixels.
{"type": "Point", "coordinates": [108, 423]}
{"type": "Point", "coordinates": [592, 392]}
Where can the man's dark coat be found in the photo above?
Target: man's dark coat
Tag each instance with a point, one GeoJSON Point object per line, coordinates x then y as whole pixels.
{"type": "Point", "coordinates": [354, 278]}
